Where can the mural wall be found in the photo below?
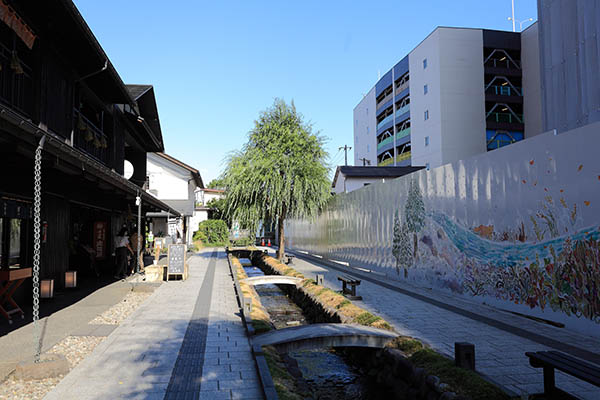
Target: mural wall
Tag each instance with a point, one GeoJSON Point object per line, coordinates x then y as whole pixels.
{"type": "Point", "coordinates": [518, 227]}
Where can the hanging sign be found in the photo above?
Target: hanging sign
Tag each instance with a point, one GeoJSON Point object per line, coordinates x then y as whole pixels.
{"type": "Point", "coordinates": [10, 18]}
{"type": "Point", "coordinates": [100, 239]}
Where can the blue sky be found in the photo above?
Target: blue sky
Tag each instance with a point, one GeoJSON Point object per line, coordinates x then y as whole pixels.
{"type": "Point", "coordinates": [215, 65]}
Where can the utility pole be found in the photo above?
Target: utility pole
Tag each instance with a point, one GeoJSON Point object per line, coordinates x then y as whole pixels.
{"type": "Point", "coordinates": [365, 161]}
{"type": "Point", "coordinates": [513, 14]}
{"type": "Point", "coordinates": [345, 148]}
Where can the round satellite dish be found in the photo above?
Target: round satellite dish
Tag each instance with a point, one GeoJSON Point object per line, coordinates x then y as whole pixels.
{"type": "Point", "coordinates": [128, 170]}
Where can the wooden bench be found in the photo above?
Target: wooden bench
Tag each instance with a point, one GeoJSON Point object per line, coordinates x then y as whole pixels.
{"type": "Point", "coordinates": [550, 360]}
{"type": "Point", "coordinates": [290, 259]}
{"type": "Point", "coordinates": [353, 282]}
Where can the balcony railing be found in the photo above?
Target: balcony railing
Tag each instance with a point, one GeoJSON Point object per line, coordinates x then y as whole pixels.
{"type": "Point", "coordinates": [402, 110]}
{"type": "Point", "coordinates": [16, 83]}
{"type": "Point", "coordinates": [401, 87]}
{"type": "Point", "coordinates": [403, 156]}
{"type": "Point", "coordinates": [505, 117]}
{"type": "Point", "coordinates": [502, 62]}
{"type": "Point", "coordinates": [89, 138]}
{"type": "Point", "coordinates": [385, 120]}
{"type": "Point", "coordinates": [385, 163]}
{"type": "Point", "coordinates": [385, 142]}
{"type": "Point", "coordinates": [403, 133]}
{"type": "Point", "coordinates": [384, 100]}
{"type": "Point", "coordinates": [504, 90]}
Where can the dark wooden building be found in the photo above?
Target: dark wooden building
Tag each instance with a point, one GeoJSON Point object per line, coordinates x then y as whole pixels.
{"type": "Point", "coordinates": [57, 82]}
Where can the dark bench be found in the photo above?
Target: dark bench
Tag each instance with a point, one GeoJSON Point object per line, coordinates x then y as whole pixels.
{"type": "Point", "coordinates": [349, 292]}
{"type": "Point", "coordinates": [551, 360]}
{"type": "Point", "coordinates": [290, 258]}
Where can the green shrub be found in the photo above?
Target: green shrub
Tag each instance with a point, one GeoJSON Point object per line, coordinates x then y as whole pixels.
{"type": "Point", "coordinates": [462, 381]}
{"type": "Point", "coordinates": [366, 318]}
{"type": "Point", "coordinates": [242, 242]}
{"type": "Point", "coordinates": [212, 232]}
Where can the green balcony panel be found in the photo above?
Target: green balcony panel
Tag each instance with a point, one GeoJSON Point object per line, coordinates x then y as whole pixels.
{"type": "Point", "coordinates": [385, 142]}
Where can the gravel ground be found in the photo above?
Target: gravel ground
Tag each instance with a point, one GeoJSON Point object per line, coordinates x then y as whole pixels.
{"type": "Point", "coordinates": [74, 348]}
{"type": "Point", "coordinates": [120, 311]}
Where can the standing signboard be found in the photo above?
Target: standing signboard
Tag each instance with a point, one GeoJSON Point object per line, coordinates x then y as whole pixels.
{"type": "Point", "coordinates": [176, 261]}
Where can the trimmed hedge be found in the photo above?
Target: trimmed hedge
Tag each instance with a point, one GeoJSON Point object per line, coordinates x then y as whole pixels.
{"type": "Point", "coordinates": [212, 232]}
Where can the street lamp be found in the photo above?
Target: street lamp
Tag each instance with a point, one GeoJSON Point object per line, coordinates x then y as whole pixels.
{"type": "Point", "coordinates": [520, 22]}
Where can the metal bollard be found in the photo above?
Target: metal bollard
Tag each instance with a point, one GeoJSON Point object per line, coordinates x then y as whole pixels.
{"type": "Point", "coordinates": [464, 355]}
{"type": "Point", "coordinates": [247, 306]}
{"type": "Point", "coordinates": [320, 279]}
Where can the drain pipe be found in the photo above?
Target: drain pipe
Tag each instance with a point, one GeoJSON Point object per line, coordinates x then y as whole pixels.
{"type": "Point", "coordinates": [95, 72]}
{"type": "Point", "coordinates": [37, 204]}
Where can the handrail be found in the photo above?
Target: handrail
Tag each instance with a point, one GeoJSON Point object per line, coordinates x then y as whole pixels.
{"type": "Point", "coordinates": [89, 138]}
{"type": "Point", "coordinates": [386, 162]}
{"type": "Point", "coordinates": [506, 90]}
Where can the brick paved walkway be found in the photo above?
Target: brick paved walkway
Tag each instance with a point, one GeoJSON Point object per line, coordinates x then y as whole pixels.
{"type": "Point", "coordinates": [164, 347]}
{"type": "Point", "coordinates": [500, 353]}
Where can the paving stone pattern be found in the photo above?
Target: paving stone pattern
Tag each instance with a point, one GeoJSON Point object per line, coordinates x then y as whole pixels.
{"type": "Point", "coordinates": [500, 355]}
{"type": "Point", "coordinates": [229, 370]}
{"type": "Point", "coordinates": [137, 360]}
{"type": "Point", "coordinates": [186, 376]}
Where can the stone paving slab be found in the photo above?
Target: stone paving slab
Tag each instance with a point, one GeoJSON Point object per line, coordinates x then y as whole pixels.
{"type": "Point", "coordinates": [192, 327]}
{"type": "Point", "coordinates": [229, 368]}
{"type": "Point", "coordinates": [499, 354]}
{"type": "Point", "coordinates": [137, 359]}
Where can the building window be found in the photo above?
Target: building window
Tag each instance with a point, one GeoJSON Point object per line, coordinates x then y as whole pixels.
{"type": "Point", "coordinates": [426, 115]}
{"type": "Point", "coordinates": [424, 63]}
{"type": "Point", "coordinates": [367, 130]}
{"type": "Point", "coordinates": [426, 140]}
{"type": "Point", "coordinates": [366, 184]}
{"type": "Point", "coordinates": [356, 123]}
{"type": "Point", "coordinates": [427, 166]}
{"type": "Point", "coordinates": [368, 148]}
{"type": "Point", "coordinates": [367, 111]}
{"type": "Point", "coordinates": [425, 89]}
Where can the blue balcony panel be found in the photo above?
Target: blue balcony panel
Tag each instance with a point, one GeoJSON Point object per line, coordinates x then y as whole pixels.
{"type": "Point", "coordinates": [383, 83]}
{"type": "Point", "coordinates": [401, 68]}
{"type": "Point", "coordinates": [402, 94]}
{"type": "Point", "coordinates": [384, 107]}
{"type": "Point", "coordinates": [386, 125]}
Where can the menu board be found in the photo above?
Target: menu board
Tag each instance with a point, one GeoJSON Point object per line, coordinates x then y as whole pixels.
{"type": "Point", "coordinates": [176, 259]}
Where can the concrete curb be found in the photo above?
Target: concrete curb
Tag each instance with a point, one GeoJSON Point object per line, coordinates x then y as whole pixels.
{"type": "Point", "coordinates": [266, 380]}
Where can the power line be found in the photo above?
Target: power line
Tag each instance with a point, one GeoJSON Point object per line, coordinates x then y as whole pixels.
{"type": "Point", "coordinates": [346, 148]}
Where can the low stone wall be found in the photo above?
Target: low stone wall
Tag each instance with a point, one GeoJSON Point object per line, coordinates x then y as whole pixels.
{"type": "Point", "coordinates": [391, 368]}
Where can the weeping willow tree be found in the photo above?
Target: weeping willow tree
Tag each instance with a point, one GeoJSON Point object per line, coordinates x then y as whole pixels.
{"type": "Point", "coordinates": [280, 172]}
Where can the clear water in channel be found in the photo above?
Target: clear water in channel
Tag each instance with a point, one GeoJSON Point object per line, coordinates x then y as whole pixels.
{"type": "Point", "coordinates": [324, 370]}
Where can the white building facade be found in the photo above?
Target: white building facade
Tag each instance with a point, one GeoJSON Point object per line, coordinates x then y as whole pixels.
{"type": "Point", "coordinates": [175, 183]}
{"type": "Point", "coordinates": [460, 92]}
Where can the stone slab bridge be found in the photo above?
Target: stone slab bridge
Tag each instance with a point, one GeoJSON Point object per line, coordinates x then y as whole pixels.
{"type": "Point", "coordinates": [316, 336]}
{"type": "Point", "coordinates": [272, 279]}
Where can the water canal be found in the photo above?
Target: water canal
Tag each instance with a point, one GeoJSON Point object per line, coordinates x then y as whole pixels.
{"type": "Point", "coordinates": [326, 373]}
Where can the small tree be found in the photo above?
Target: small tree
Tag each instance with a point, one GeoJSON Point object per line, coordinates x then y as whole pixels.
{"type": "Point", "coordinates": [414, 213]}
{"type": "Point", "coordinates": [280, 172]}
{"type": "Point", "coordinates": [216, 183]}
{"type": "Point", "coordinates": [401, 246]}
